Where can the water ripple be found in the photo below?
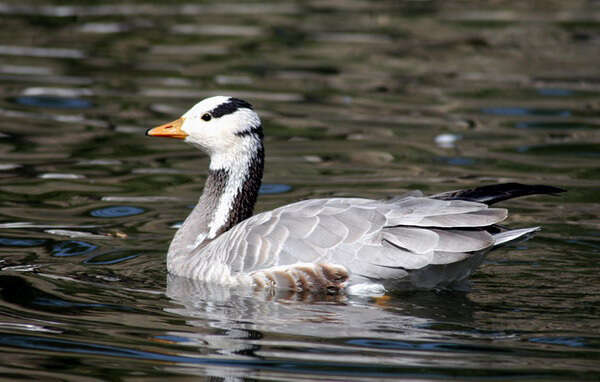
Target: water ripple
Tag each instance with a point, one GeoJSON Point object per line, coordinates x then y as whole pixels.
{"type": "Point", "coordinates": [555, 92]}
{"type": "Point", "coordinates": [300, 367]}
{"type": "Point", "coordinates": [150, 9]}
{"type": "Point", "coordinates": [519, 111]}
{"type": "Point", "coordinates": [72, 248]}
{"type": "Point", "coordinates": [40, 52]}
{"type": "Point", "coordinates": [109, 258]}
{"type": "Point", "coordinates": [18, 242]}
{"type": "Point", "coordinates": [117, 211]}
{"type": "Point", "coordinates": [54, 102]}
{"type": "Point", "coordinates": [565, 341]}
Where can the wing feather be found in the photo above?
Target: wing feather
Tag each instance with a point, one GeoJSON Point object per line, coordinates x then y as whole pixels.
{"type": "Point", "coordinates": [302, 251]}
{"type": "Point", "coordinates": [440, 257]}
{"type": "Point", "coordinates": [354, 223]}
{"type": "Point", "coordinates": [417, 240]}
{"type": "Point", "coordinates": [327, 233]}
{"type": "Point", "coordinates": [388, 255]}
{"type": "Point", "coordinates": [481, 218]}
{"type": "Point", "coordinates": [371, 238]}
{"type": "Point", "coordinates": [414, 206]}
{"type": "Point", "coordinates": [455, 240]}
{"type": "Point", "coordinates": [300, 226]}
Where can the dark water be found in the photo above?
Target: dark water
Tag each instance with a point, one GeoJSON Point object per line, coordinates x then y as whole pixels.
{"type": "Point", "coordinates": [357, 98]}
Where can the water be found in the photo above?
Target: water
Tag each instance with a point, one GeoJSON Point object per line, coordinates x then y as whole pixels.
{"type": "Point", "coordinates": [363, 99]}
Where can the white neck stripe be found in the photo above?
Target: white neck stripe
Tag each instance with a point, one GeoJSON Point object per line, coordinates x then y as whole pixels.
{"type": "Point", "coordinates": [236, 165]}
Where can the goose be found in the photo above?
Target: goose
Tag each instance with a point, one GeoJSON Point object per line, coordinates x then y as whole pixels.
{"type": "Point", "coordinates": [328, 245]}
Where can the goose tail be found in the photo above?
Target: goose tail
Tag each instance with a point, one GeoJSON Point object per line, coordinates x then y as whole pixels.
{"type": "Point", "coordinates": [514, 234]}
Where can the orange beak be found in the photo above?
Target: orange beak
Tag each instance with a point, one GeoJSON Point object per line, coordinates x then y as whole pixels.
{"type": "Point", "coordinates": [169, 130]}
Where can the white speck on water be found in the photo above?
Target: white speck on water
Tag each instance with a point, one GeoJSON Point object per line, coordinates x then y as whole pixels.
{"type": "Point", "coordinates": [54, 175]}
{"type": "Point", "coordinates": [447, 140]}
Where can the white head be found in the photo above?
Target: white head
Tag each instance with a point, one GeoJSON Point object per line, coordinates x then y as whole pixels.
{"type": "Point", "coordinates": [224, 127]}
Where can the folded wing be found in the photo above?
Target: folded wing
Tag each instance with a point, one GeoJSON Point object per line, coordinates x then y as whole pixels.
{"type": "Point", "coordinates": [373, 240]}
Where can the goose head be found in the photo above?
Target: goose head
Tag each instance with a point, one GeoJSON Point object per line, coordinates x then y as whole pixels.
{"type": "Point", "coordinates": [230, 132]}
{"type": "Point", "coordinates": [225, 128]}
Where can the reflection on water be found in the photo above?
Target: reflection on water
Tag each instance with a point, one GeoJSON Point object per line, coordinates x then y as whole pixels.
{"type": "Point", "coordinates": [362, 99]}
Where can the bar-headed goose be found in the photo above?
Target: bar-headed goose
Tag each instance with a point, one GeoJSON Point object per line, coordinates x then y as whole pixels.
{"type": "Point", "coordinates": [322, 244]}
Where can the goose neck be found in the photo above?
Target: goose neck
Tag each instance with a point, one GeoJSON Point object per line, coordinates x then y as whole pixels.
{"type": "Point", "coordinates": [231, 189]}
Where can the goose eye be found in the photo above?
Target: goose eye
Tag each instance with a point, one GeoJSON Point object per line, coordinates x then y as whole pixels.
{"type": "Point", "coordinates": [206, 117]}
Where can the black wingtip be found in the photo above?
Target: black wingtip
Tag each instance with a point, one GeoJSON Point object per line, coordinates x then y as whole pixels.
{"type": "Point", "coordinates": [498, 192]}
{"type": "Point", "coordinates": [550, 189]}
{"type": "Point", "coordinates": [534, 189]}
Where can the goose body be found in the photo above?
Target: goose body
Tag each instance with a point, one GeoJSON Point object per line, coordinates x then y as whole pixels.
{"type": "Point", "coordinates": [328, 244]}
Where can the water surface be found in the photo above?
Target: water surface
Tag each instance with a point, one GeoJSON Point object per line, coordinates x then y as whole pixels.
{"type": "Point", "coordinates": [368, 99]}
